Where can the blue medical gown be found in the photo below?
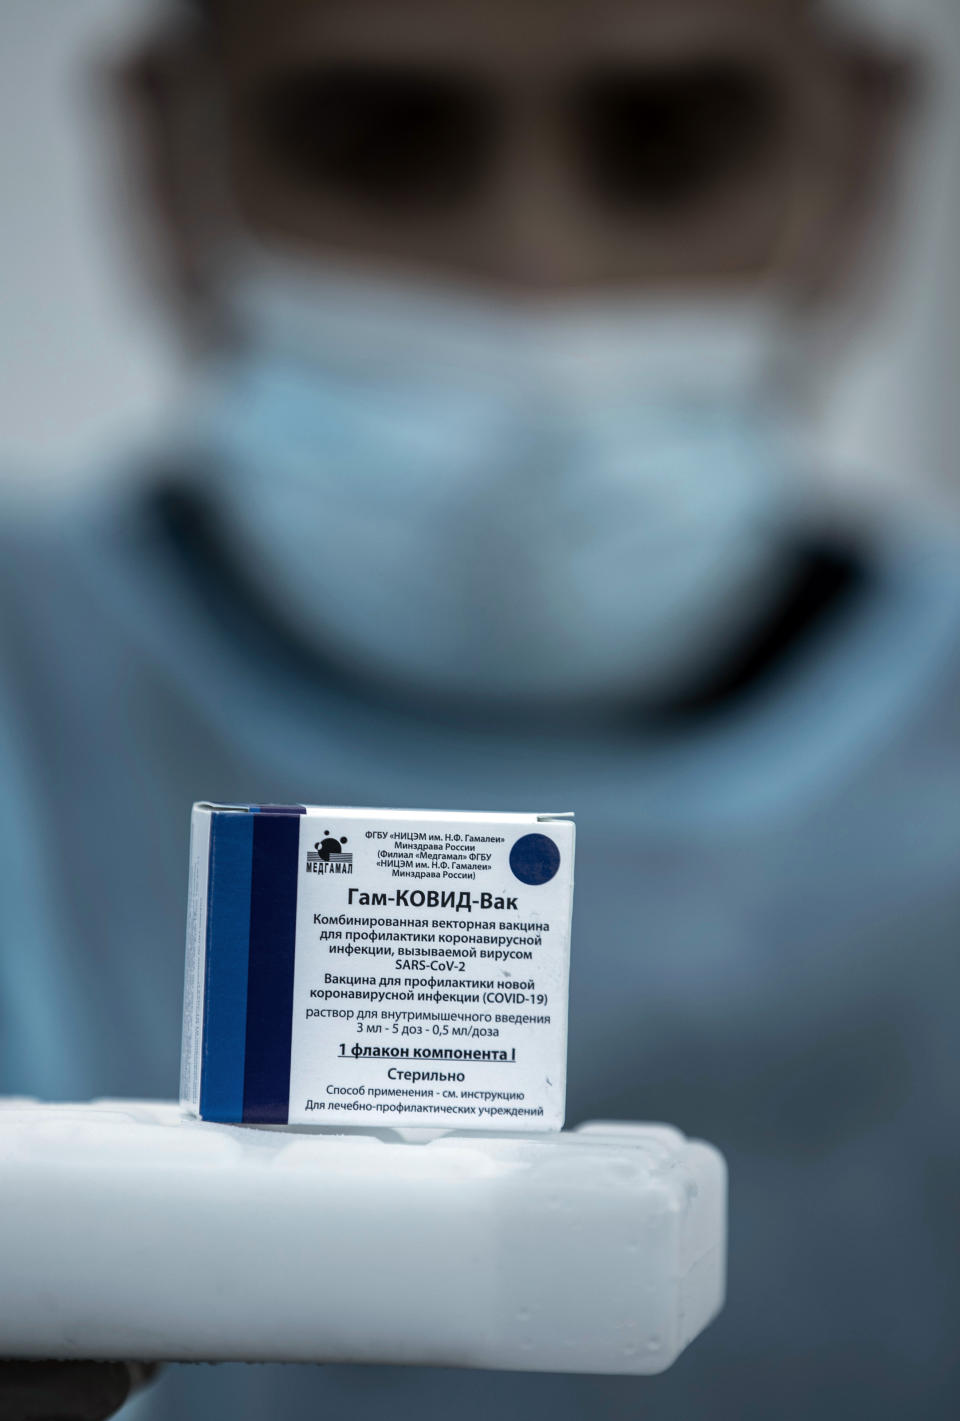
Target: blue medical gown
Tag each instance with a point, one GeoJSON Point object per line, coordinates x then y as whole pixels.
{"type": "Point", "coordinates": [765, 943]}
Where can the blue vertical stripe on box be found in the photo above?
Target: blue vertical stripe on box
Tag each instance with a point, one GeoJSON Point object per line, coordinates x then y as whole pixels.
{"type": "Point", "coordinates": [225, 987]}
{"type": "Point", "coordinates": [273, 929]}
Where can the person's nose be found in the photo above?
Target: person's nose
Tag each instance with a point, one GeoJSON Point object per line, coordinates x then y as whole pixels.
{"type": "Point", "coordinates": [539, 219]}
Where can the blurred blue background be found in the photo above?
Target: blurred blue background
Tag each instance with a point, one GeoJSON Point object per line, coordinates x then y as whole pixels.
{"type": "Point", "coordinates": [727, 633]}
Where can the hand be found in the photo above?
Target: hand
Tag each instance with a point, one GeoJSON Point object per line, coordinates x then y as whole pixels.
{"type": "Point", "coordinates": [68, 1391]}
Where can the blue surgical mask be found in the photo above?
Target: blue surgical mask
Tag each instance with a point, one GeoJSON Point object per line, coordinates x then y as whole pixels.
{"type": "Point", "coordinates": [523, 504]}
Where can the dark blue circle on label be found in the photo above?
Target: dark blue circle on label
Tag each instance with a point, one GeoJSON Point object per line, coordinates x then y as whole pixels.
{"type": "Point", "coordinates": [534, 859]}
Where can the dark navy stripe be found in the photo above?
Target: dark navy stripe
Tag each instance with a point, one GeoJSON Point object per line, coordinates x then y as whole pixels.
{"type": "Point", "coordinates": [278, 808]}
{"type": "Point", "coordinates": [225, 993]}
{"type": "Point", "coordinates": [273, 927]}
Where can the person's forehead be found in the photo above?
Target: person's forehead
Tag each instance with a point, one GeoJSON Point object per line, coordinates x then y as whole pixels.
{"type": "Point", "coordinates": [492, 31]}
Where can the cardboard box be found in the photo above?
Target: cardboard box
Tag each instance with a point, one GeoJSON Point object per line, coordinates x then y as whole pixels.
{"type": "Point", "coordinates": [371, 967]}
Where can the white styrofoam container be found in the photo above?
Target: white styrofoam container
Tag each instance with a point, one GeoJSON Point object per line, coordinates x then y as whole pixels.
{"type": "Point", "coordinates": [129, 1231]}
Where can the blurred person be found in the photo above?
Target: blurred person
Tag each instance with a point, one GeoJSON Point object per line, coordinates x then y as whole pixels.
{"type": "Point", "coordinates": [490, 491]}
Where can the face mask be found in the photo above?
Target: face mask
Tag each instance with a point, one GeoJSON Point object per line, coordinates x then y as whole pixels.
{"type": "Point", "coordinates": [554, 502]}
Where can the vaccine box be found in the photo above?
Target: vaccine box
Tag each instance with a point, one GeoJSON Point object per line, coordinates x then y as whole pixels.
{"type": "Point", "coordinates": [374, 967]}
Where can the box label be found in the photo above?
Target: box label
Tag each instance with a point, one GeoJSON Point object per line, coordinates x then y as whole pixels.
{"type": "Point", "coordinates": [431, 969]}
